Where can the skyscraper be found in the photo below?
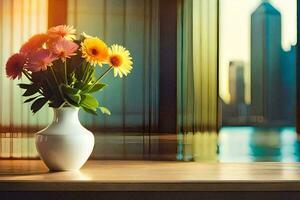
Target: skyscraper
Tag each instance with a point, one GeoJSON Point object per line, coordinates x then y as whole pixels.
{"type": "Point", "coordinates": [237, 89]}
{"type": "Point", "coordinates": [236, 112]}
{"type": "Point", "coordinates": [288, 86]}
{"type": "Point", "coordinates": [236, 82]}
{"type": "Point", "coordinates": [266, 63]}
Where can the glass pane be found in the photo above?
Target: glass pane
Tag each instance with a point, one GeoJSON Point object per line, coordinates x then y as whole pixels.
{"type": "Point", "coordinates": [257, 82]}
{"type": "Point", "coordinates": [257, 62]}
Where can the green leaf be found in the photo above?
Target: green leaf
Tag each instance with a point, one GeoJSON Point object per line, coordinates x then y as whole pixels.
{"type": "Point", "coordinates": [38, 104]}
{"type": "Point", "coordinates": [56, 103]}
{"type": "Point", "coordinates": [71, 95]}
{"type": "Point", "coordinates": [93, 112]}
{"type": "Point", "coordinates": [105, 110]}
{"type": "Point", "coordinates": [75, 98]}
{"type": "Point", "coordinates": [30, 99]}
{"type": "Point", "coordinates": [88, 101]}
{"type": "Point", "coordinates": [67, 89]}
{"type": "Point", "coordinates": [31, 90]}
{"type": "Point", "coordinates": [79, 84]}
{"type": "Point", "coordinates": [97, 87]}
{"type": "Point", "coordinates": [24, 85]}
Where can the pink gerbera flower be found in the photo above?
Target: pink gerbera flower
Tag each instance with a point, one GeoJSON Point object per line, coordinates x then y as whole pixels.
{"type": "Point", "coordinates": [35, 43]}
{"type": "Point", "coordinates": [15, 65]}
{"type": "Point", "coordinates": [67, 32]}
{"type": "Point", "coordinates": [40, 60]}
{"type": "Point", "coordinates": [63, 48]}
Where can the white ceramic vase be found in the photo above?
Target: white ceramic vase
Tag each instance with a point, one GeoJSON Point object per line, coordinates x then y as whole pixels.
{"type": "Point", "coordinates": [65, 144]}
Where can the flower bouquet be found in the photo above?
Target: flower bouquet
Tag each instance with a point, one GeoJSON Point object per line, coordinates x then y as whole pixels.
{"type": "Point", "coordinates": [62, 72]}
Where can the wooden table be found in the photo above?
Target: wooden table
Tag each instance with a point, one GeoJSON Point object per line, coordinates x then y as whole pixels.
{"type": "Point", "coordinates": [155, 177]}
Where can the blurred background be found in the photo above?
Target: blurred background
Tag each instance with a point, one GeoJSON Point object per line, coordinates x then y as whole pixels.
{"type": "Point", "coordinates": [257, 79]}
{"type": "Point", "coordinates": [258, 62]}
{"type": "Point", "coordinates": [213, 80]}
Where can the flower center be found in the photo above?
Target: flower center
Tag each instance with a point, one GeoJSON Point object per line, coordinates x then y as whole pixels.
{"type": "Point", "coordinates": [94, 51]}
{"type": "Point", "coordinates": [116, 60]}
{"type": "Point", "coordinates": [62, 53]}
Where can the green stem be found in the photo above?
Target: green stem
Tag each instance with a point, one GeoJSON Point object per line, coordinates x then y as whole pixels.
{"type": "Point", "coordinates": [53, 73]}
{"type": "Point", "coordinates": [48, 82]}
{"type": "Point", "coordinates": [85, 70]}
{"type": "Point", "coordinates": [102, 76]}
{"type": "Point", "coordinates": [89, 73]}
{"type": "Point", "coordinates": [66, 77]}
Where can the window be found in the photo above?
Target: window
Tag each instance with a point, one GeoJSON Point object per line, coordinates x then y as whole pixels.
{"type": "Point", "coordinates": [258, 62]}
{"type": "Point", "coordinates": [199, 66]}
{"type": "Point", "coordinates": [257, 79]}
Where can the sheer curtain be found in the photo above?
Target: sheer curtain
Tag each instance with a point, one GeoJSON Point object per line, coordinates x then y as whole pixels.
{"type": "Point", "coordinates": [19, 19]}
{"type": "Point", "coordinates": [134, 100]}
{"type": "Point", "coordinates": [197, 79]}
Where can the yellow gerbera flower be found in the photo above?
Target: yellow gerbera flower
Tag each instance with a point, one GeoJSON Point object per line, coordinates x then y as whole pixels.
{"type": "Point", "coordinates": [94, 50]}
{"type": "Point", "coordinates": [120, 60]}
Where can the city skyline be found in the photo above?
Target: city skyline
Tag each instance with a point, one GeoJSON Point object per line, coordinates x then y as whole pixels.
{"type": "Point", "coordinates": [273, 79]}
{"type": "Point", "coordinates": [235, 36]}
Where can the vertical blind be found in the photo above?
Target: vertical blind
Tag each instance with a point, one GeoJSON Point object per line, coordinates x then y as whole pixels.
{"type": "Point", "coordinates": [133, 100]}
{"type": "Point", "coordinates": [19, 19]}
{"type": "Point", "coordinates": [129, 132]}
{"type": "Point", "coordinates": [197, 79]}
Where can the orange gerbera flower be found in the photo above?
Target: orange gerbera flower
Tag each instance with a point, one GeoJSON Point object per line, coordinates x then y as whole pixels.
{"type": "Point", "coordinates": [35, 43]}
{"type": "Point", "coordinates": [94, 50]}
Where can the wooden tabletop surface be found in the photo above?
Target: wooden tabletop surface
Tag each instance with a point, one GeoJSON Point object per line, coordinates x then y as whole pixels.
{"type": "Point", "coordinates": [32, 175]}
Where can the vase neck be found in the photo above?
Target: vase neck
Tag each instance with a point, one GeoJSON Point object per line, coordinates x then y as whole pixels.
{"type": "Point", "coordinates": [66, 114]}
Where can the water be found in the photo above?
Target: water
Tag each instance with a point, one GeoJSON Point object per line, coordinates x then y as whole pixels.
{"type": "Point", "coordinates": [249, 144]}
